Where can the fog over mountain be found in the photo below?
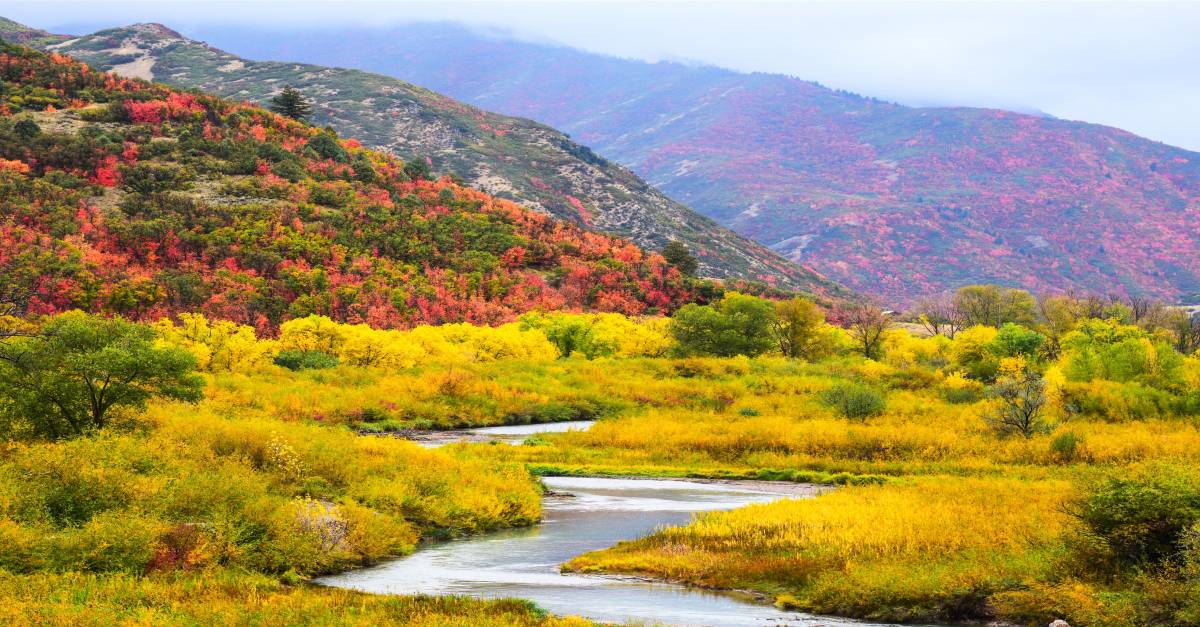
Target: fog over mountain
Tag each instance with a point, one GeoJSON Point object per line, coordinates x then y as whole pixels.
{"type": "Point", "coordinates": [1130, 65]}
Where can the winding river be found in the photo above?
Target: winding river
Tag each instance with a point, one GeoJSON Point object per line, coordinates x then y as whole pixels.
{"type": "Point", "coordinates": [582, 514]}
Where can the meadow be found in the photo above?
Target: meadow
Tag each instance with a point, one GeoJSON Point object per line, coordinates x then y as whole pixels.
{"type": "Point", "coordinates": [295, 463]}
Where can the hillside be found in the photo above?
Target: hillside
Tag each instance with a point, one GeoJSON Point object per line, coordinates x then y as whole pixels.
{"type": "Point", "coordinates": [884, 198]}
{"type": "Point", "coordinates": [128, 197]}
{"type": "Point", "coordinates": [511, 158]}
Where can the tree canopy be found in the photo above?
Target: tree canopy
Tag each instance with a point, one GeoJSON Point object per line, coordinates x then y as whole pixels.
{"type": "Point", "coordinates": [63, 381]}
{"type": "Point", "coordinates": [736, 325]}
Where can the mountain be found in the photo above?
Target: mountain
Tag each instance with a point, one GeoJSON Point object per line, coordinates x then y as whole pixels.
{"type": "Point", "coordinates": [512, 158]}
{"type": "Point", "coordinates": [122, 196]}
{"type": "Point", "coordinates": [884, 198]}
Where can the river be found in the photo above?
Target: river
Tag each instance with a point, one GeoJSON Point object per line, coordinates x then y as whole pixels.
{"type": "Point", "coordinates": [583, 514]}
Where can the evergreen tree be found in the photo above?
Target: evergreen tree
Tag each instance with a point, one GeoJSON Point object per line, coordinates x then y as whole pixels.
{"type": "Point", "coordinates": [677, 254]}
{"type": "Point", "coordinates": [291, 103]}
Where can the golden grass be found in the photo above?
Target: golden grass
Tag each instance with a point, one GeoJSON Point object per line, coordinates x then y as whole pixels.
{"type": "Point", "coordinates": [900, 551]}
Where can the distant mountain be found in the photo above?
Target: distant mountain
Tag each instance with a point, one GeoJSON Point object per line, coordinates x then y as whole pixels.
{"type": "Point", "coordinates": [121, 196]}
{"type": "Point", "coordinates": [508, 157]}
{"type": "Point", "coordinates": [884, 198]}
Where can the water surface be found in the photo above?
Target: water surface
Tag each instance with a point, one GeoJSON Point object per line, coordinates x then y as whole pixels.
{"type": "Point", "coordinates": [599, 513]}
{"type": "Point", "coordinates": [508, 434]}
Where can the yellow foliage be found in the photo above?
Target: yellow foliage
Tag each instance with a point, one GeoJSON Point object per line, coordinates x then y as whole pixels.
{"type": "Point", "coordinates": [969, 343]}
{"type": "Point", "coordinates": [904, 350]}
{"type": "Point", "coordinates": [648, 337]}
{"type": "Point", "coordinates": [218, 345]}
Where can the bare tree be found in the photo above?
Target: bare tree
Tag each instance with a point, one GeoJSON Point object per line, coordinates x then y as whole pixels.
{"type": "Point", "coordinates": [1022, 398]}
{"type": "Point", "coordinates": [1185, 326]}
{"type": "Point", "coordinates": [939, 316]}
{"type": "Point", "coordinates": [866, 324]}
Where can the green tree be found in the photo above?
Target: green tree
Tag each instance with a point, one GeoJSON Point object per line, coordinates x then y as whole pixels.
{"type": "Point", "coordinates": [417, 169]}
{"type": "Point", "coordinates": [291, 103]}
{"type": "Point", "coordinates": [1013, 340]}
{"type": "Point", "coordinates": [993, 306]}
{"type": "Point", "coordinates": [799, 328]}
{"type": "Point", "coordinates": [1107, 349]}
{"type": "Point", "coordinates": [677, 254]}
{"type": "Point", "coordinates": [364, 170]}
{"type": "Point", "coordinates": [326, 146]}
{"type": "Point", "coordinates": [736, 325]}
{"type": "Point", "coordinates": [63, 381]}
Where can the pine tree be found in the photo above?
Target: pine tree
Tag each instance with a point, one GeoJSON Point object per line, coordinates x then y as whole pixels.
{"type": "Point", "coordinates": [291, 103]}
{"type": "Point", "coordinates": [677, 254]}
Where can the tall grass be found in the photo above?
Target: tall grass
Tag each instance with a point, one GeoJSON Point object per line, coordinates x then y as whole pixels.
{"type": "Point", "coordinates": [927, 549]}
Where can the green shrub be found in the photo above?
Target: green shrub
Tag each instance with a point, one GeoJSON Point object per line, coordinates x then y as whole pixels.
{"type": "Point", "coordinates": [305, 360]}
{"type": "Point", "coordinates": [1066, 446]}
{"type": "Point", "coordinates": [327, 147]}
{"type": "Point", "coordinates": [854, 401]}
{"type": "Point", "coordinates": [1142, 520]}
{"type": "Point", "coordinates": [145, 179]}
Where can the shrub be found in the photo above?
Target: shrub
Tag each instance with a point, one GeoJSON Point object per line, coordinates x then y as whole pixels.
{"type": "Point", "coordinates": [326, 146]}
{"type": "Point", "coordinates": [854, 401]}
{"type": "Point", "coordinates": [1022, 396]}
{"type": "Point", "coordinates": [1142, 520]}
{"type": "Point", "coordinates": [305, 360]}
{"type": "Point", "coordinates": [145, 179]}
{"type": "Point", "coordinates": [1066, 446]}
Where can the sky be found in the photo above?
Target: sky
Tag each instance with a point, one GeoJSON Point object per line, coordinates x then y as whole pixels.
{"type": "Point", "coordinates": [1134, 65]}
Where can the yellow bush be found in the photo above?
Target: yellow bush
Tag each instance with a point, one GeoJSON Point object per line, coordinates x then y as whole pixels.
{"type": "Point", "coordinates": [902, 349]}
{"type": "Point", "coordinates": [218, 345]}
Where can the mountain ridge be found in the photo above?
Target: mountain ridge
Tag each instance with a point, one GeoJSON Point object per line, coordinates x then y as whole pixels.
{"type": "Point", "coordinates": [884, 198]}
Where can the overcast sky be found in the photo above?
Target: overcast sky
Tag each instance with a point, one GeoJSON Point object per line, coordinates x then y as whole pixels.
{"type": "Point", "coordinates": [1134, 65]}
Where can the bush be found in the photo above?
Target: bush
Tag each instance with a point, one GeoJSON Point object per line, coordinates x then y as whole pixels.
{"type": "Point", "coordinates": [305, 360]}
{"type": "Point", "coordinates": [1066, 446]}
{"type": "Point", "coordinates": [854, 401]}
{"type": "Point", "coordinates": [1142, 520]}
{"type": "Point", "coordinates": [326, 146]}
{"type": "Point", "coordinates": [1022, 397]}
{"type": "Point", "coordinates": [145, 179]}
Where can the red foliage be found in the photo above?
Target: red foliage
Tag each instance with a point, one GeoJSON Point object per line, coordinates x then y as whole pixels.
{"type": "Point", "coordinates": [391, 253]}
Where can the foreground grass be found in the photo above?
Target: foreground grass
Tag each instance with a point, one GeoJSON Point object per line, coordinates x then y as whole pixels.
{"type": "Point", "coordinates": [229, 598]}
{"type": "Point", "coordinates": [194, 515]}
{"type": "Point", "coordinates": [266, 482]}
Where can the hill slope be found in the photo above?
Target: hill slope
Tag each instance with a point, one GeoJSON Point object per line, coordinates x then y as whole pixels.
{"type": "Point", "coordinates": [881, 197]}
{"type": "Point", "coordinates": [128, 197]}
{"type": "Point", "coordinates": [508, 157]}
